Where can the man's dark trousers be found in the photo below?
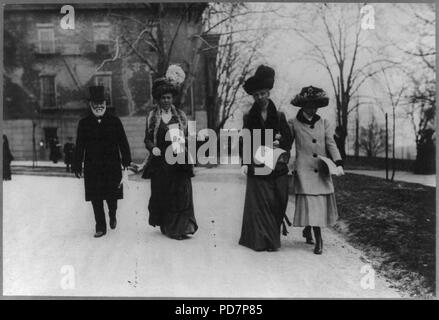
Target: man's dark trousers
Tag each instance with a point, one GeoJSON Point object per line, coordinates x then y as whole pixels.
{"type": "Point", "coordinates": [98, 208]}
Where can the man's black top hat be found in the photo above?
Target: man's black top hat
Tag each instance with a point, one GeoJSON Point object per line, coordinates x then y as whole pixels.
{"type": "Point", "coordinates": [97, 93]}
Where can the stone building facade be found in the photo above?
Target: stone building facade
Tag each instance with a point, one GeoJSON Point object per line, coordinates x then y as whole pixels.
{"type": "Point", "coordinates": [121, 46]}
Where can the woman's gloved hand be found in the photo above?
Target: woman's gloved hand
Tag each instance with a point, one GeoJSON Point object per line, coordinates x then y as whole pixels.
{"type": "Point", "coordinates": [156, 151]}
{"type": "Point", "coordinates": [340, 171]}
{"type": "Point", "coordinates": [276, 141]}
{"type": "Point", "coordinates": [244, 170]}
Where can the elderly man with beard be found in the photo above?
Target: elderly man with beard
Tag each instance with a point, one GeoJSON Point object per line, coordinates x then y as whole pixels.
{"type": "Point", "coordinates": [102, 146]}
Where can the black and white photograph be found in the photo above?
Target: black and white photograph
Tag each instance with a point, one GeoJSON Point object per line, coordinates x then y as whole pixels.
{"type": "Point", "coordinates": [219, 150]}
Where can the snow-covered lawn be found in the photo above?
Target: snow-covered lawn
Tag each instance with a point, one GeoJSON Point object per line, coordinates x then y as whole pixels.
{"type": "Point", "coordinates": [49, 248]}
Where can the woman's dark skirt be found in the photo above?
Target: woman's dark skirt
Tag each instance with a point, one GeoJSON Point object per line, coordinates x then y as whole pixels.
{"type": "Point", "coordinates": [6, 170]}
{"type": "Point", "coordinates": [171, 204]}
{"type": "Point", "coordinates": [266, 200]}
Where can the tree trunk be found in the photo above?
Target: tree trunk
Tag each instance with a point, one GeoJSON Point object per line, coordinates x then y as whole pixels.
{"type": "Point", "coordinates": [393, 147]}
{"type": "Point", "coordinates": [192, 69]}
{"type": "Point", "coordinates": [344, 124]}
{"type": "Point", "coordinates": [387, 150]}
{"type": "Point", "coordinates": [125, 76]}
{"type": "Point", "coordinates": [357, 137]}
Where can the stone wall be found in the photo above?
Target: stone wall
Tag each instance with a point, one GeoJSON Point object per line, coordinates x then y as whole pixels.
{"type": "Point", "coordinates": [19, 133]}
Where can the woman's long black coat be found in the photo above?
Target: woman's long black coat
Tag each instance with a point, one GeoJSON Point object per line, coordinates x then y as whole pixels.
{"type": "Point", "coordinates": [7, 158]}
{"type": "Point", "coordinates": [103, 147]}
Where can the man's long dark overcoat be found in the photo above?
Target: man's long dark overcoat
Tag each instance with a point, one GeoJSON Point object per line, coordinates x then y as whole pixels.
{"type": "Point", "coordinates": [103, 148]}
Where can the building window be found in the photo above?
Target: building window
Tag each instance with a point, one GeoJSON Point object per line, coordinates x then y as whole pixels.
{"type": "Point", "coordinates": [101, 37]}
{"type": "Point", "coordinates": [104, 79]}
{"type": "Point", "coordinates": [46, 38]}
{"type": "Point", "coordinates": [48, 94]}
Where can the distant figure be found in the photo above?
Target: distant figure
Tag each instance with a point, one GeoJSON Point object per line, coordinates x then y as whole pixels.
{"type": "Point", "coordinates": [7, 158]}
{"type": "Point", "coordinates": [55, 150]}
{"type": "Point", "coordinates": [69, 149]}
{"type": "Point", "coordinates": [425, 162]}
{"type": "Point", "coordinates": [338, 138]}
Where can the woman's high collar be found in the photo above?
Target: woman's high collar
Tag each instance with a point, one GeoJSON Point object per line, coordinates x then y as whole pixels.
{"type": "Point", "coordinates": [163, 110]}
{"type": "Point", "coordinates": [302, 118]}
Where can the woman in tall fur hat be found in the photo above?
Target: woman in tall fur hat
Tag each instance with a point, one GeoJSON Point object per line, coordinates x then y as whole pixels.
{"type": "Point", "coordinates": [171, 203]}
{"type": "Point", "coordinates": [266, 196]}
{"type": "Point", "coordinates": [313, 187]}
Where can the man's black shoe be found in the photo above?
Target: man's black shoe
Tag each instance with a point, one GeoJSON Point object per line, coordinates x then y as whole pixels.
{"type": "Point", "coordinates": [113, 223]}
{"type": "Point", "coordinates": [99, 234]}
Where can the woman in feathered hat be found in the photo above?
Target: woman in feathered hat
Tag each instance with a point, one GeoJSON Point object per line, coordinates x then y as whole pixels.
{"type": "Point", "coordinates": [266, 196]}
{"type": "Point", "coordinates": [171, 203]}
{"type": "Point", "coordinates": [313, 187]}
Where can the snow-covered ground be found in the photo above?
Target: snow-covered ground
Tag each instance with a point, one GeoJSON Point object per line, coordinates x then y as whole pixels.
{"type": "Point", "coordinates": [49, 249]}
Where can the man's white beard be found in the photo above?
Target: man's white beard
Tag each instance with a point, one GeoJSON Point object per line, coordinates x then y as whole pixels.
{"type": "Point", "coordinates": [99, 113]}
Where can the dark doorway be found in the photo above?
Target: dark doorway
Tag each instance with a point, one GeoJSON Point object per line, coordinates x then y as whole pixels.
{"type": "Point", "coordinates": [50, 133]}
{"type": "Point", "coordinates": [52, 143]}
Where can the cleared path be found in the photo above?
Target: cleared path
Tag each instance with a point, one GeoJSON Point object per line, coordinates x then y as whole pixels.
{"type": "Point", "coordinates": [48, 233]}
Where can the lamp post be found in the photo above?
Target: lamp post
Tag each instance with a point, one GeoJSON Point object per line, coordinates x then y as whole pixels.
{"type": "Point", "coordinates": [34, 147]}
{"type": "Point", "coordinates": [36, 114]}
{"type": "Point", "coordinates": [387, 149]}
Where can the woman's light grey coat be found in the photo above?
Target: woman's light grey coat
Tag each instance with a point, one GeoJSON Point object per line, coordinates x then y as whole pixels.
{"type": "Point", "coordinates": [313, 140]}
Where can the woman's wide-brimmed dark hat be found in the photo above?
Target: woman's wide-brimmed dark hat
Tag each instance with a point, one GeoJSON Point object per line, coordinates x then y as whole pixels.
{"type": "Point", "coordinates": [162, 86]}
{"type": "Point", "coordinates": [311, 97]}
{"type": "Point", "coordinates": [97, 94]}
{"type": "Point", "coordinates": [263, 79]}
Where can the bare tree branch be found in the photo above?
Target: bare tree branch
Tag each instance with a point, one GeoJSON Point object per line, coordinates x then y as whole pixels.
{"type": "Point", "coordinates": [114, 58]}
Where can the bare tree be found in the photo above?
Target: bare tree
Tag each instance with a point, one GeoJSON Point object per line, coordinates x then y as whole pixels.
{"type": "Point", "coordinates": [421, 112]}
{"type": "Point", "coordinates": [395, 96]}
{"type": "Point", "coordinates": [421, 104]}
{"type": "Point", "coordinates": [344, 51]}
{"type": "Point", "coordinates": [372, 138]}
{"type": "Point", "coordinates": [152, 41]}
{"type": "Point", "coordinates": [241, 35]}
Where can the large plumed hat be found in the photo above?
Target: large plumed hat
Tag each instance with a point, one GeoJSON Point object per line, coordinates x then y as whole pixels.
{"type": "Point", "coordinates": [170, 83]}
{"type": "Point", "coordinates": [97, 94]}
{"type": "Point", "coordinates": [162, 86]}
{"type": "Point", "coordinates": [311, 97]}
{"type": "Point", "coordinates": [263, 79]}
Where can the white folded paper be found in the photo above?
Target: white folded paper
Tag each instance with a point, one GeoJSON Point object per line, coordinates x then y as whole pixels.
{"type": "Point", "coordinates": [177, 138]}
{"type": "Point", "coordinates": [332, 168]}
{"type": "Point", "coordinates": [124, 180]}
{"type": "Point", "coordinates": [268, 156]}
